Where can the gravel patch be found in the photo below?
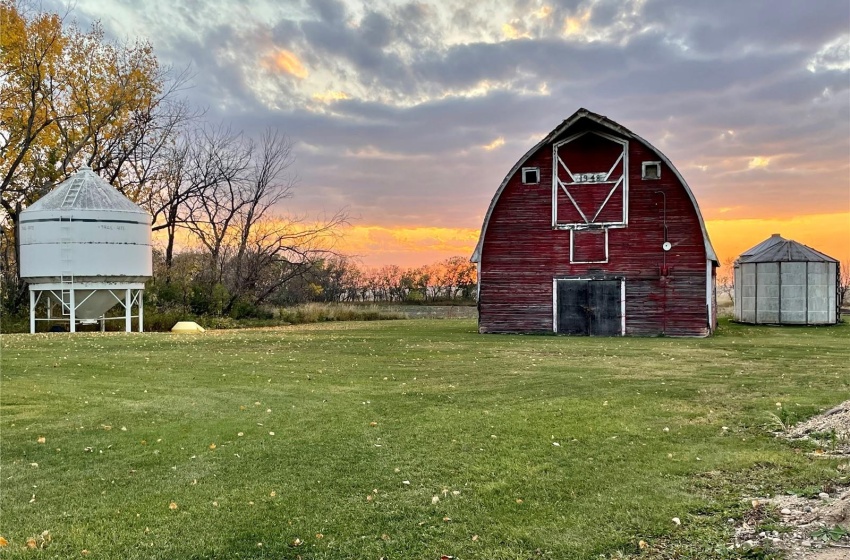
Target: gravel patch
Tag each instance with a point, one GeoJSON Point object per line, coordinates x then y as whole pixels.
{"type": "Point", "coordinates": [809, 528]}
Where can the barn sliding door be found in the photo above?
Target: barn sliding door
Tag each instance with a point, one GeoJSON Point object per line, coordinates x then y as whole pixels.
{"type": "Point", "coordinates": [589, 307]}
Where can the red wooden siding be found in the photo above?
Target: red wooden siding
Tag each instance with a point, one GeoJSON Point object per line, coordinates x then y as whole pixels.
{"type": "Point", "coordinates": [521, 253]}
{"type": "Point", "coordinates": [589, 245]}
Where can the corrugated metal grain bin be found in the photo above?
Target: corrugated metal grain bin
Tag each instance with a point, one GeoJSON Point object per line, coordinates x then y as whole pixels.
{"type": "Point", "coordinates": [782, 282]}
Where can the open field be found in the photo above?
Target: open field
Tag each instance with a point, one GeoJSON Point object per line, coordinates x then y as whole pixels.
{"type": "Point", "coordinates": [403, 440]}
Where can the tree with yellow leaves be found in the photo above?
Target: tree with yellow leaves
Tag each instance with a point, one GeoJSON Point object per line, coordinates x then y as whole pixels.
{"type": "Point", "coordinates": [69, 97]}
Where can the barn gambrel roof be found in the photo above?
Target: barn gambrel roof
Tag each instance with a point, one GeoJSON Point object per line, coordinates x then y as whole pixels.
{"type": "Point", "coordinates": [608, 123]}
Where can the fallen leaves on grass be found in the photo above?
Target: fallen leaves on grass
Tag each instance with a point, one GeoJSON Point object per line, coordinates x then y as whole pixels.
{"type": "Point", "coordinates": [172, 506]}
{"type": "Point", "coordinates": [212, 446]}
{"type": "Point", "coordinates": [41, 439]}
{"type": "Point", "coordinates": [3, 542]}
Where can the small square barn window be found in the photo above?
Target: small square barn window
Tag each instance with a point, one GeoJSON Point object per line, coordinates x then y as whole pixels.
{"type": "Point", "coordinates": [651, 170]}
{"type": "Point", "coordinates": [530, 175]}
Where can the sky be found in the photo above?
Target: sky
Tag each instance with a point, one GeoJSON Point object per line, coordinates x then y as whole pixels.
{"type": "Point", "coordinates": [410, 113]}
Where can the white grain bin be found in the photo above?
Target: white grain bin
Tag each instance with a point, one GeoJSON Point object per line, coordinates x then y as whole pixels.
{"type": "Point", "coordinates": [782, 282]}
{"type": "Point", "coordinates": [85, 248]}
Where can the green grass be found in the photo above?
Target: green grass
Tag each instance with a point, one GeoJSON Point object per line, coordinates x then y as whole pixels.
{"type": "Point", "coordinates": [157, 320]}
{"type": "Point", "coordinates": [129, 422]}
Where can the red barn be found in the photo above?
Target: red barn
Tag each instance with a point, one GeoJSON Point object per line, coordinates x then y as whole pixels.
{"type": "Point", "coordinates": [595, 232]}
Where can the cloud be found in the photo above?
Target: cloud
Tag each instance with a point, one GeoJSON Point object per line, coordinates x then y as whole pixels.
{"type": "Point", "coordinates": [758, 162]}
{"type": "Point", "coordinates": [287, 62]}
{"type": "Point", "coordinates": [497, 143]}
{"type": "Point", "coordinates": [330, 96]}
{"type": "Point", "coordinates": [393, 103]}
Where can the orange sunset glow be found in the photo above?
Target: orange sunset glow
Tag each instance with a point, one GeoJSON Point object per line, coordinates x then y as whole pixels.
{"type": "Point", "coordinates": [413, 246]}
{"type": "Point", "coordinates": [406, 246]}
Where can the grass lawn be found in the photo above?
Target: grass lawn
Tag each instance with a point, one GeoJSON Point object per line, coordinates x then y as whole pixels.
{"type": "Point", "coordinates": [403, 440]}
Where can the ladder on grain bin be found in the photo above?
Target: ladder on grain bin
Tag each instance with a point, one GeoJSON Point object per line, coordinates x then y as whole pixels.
{"type": "Point", "coordinates": [66, 277]}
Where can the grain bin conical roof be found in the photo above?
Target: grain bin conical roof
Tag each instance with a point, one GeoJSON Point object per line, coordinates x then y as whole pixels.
{"type": "Point", "coordinates": [85, 190]}
{"type": "Point", "coordinates": [785, 250]}
{"type": "Point", "coordinates": [767, 243]}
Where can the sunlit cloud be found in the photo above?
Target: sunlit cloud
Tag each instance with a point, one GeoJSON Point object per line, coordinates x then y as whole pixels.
{"type": "Point", "coordinates": [286, 61]}
{"type": "Point", "coordinates": [371, 152]}
{"type": "Point", "coordinates": [758, 162]}
{"type": "Point", "coordinates": [576, 25]}
{"type": "Point", "coordinates": [510, 31]}
{"type": "Point", "coordinates": [497, 143]}
{"type": "Point", "coordinates": [543, 13]}
{"type": "Point", "coordinates": [835, 55]}
{"type": "Point", "coordinates": [331, 96]}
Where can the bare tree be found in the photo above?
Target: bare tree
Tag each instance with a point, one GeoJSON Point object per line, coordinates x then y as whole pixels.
{"type": "Point", "coordinates": [726, 279]}
{"type": "Point", "coordinates": [279, 250]}
{"type": "Point", "coordinates": [215, 191]}
{"type": "Point", "coordinates": [230, 204]}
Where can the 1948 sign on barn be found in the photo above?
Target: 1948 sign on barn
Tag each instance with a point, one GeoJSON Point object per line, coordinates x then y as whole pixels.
{"type": "Point", "coordinates": [595, 232]}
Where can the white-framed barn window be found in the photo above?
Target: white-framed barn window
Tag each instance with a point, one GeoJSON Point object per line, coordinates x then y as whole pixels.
{"type": "Point", "coordinates": [651, 170]}
{"type": "Point", "coordinates": [588, 246]}
{"type": "Point", "coordinates": [530, 175]}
